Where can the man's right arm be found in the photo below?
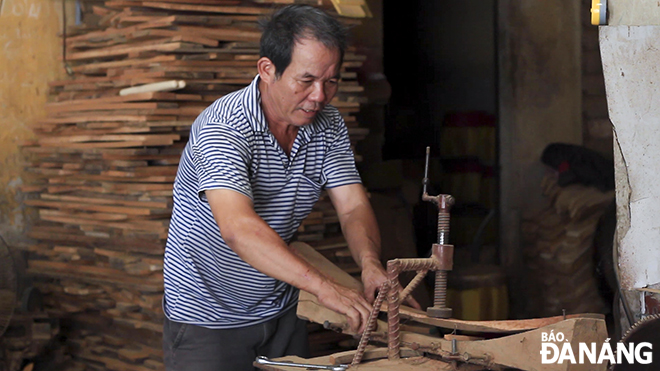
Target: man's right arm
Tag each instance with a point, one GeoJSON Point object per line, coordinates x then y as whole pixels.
{"type": "Point", "coordinates": [261, 247]}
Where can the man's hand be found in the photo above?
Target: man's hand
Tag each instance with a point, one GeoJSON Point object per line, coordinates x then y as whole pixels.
{"type": "Point", "coordinates": [358, 223]}
{"type": "Point", "coordinates": [373, 276]}
{"type": "Point", "coordinates": [346, 301]}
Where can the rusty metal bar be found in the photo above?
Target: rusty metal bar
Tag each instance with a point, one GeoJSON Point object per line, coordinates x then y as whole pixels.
{"type": "Point", "coordinates": [393, 303]}
{"type": "Point", "coordinates": [373, 316]}
{"type": "Point", "coordinates": [394, 268]}
{"type": "Point", "coordinates": [413, 284]}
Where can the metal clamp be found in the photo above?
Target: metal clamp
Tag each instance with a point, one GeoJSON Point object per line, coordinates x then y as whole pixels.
{"type": "Point", "coordinates": [441, 250]}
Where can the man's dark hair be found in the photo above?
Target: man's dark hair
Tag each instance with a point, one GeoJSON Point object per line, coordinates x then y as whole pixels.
{"type": "Point", "coordinates": [289, 25]}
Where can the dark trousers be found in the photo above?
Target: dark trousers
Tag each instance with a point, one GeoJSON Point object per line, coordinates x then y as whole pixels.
{"type": "Point", "coordinates": [195, 348]}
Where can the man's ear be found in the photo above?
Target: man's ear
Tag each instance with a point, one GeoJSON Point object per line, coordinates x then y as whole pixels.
{"type": "Point", "coordinates": [266, 69]}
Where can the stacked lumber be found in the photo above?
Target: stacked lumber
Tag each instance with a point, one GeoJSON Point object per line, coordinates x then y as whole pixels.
{"type": "Point", "coordinates": [559, 250]}
{"type": "Point", "coordinates": [103, 164]}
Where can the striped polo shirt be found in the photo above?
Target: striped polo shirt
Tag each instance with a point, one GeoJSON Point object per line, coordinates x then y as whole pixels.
{"type": "Point", "coordinates": [231, 147]}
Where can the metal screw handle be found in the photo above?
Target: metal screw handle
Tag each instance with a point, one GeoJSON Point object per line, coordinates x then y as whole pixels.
{"type": "Point", "coordinates": [444, 203]}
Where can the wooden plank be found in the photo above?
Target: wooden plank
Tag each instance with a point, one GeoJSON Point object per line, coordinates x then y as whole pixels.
{"type": "Point", "coordinates": [308, 304]}
{"type": "Point", "coordinates": [77, 108]}
{"type": "Point", "coordinates": [371, 353]}
{"type": "Point", "coordinates": [47, 214]}
{"type": "Point", "coordinates": [97, 208]}
{"type": "Point", "coordinates": [59, 140]}
{"type": "Point", "coordinates": [148, 226]}
{"type": "Point", "coordinates": [184, 111]}
{"type": "Point", "coordinates": [111, 363]}
{"type": "Point", "coordinates": [117, 117]}
{"type": "Point", "coordinates": [144, 34]}
{"type": "Point", "coordinates": [148, 96]}
{"type": "Point", "coordinates": [200, 19]}
{"type": "Point", "coordinates": [118, 144]}
{"type": "Point", "coordinates": [193, 8]}
{"type": "Point", "coordinates": [208, 20]}
{"type": "Point", "coordinates": [127, 130]}
{"type": "Point", "coordinates": [110, 33]}
{"type": "Point", "coordinates": [157, 327]}
{"type": "Point", "coordinates": [93, 67]}
{"type": "Point", "coordinates": [150, 171]}
{"type": "Point", "coordinates": [163, 45]}
{"type": "Point", "coordinates": [77, 80]}
{"type": "Point", "coordinates": [506, 326]}
{"type": "Point", "coordinates": [66, 235]}
{"type": "Point", "coordinates": [520, 350]}
{"type": "Point", "coordinates": [135, 187]}
{"type": "Point", "coordinates": [209, 63]}
{"type": "Point", "coordinates": [130, 76]}
{"type": "Point", "coordinates": [209, 2]}
{"type": "Point", "coordinates": [225, 33]}
{"type": "Point", "coordinates": [179, 35]}
{"type": "Point", "coordinates": [104, 200]}
{"type": "Point", "coordinates": [81, 179]}
{"type": "Point", "coordinates": [152, 283]}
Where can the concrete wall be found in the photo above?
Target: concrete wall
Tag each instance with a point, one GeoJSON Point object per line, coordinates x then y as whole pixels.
{"type": "Point", "coordinates": [633, 13]}
{"type": "Point", "coordinates": [540, 103]}
{"type": "Point", "coordinates": [29, 52]}
{"type": "Point", "coordinates": [632, 92]}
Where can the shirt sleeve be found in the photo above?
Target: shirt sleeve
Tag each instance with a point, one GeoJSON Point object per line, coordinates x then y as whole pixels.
{"type": "Point", "coordinates": [221, 157]}
{"type": "Point", "coordinates": [339, 164]}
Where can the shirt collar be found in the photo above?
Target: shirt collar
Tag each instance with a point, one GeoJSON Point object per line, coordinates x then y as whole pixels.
{"type": "Point", "coordinates": [252, 106]}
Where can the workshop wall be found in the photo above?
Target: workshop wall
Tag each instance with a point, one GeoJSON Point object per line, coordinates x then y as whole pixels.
{"type": "Point", "coordinates": [29, 58]}
{"type": "Point", "coordinates": [633, 30]}
{"type": "Point", "coordinates": [631, 87]}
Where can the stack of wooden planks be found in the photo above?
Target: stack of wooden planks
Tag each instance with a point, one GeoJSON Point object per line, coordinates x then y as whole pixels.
{"type": "Point", "coordinates": [104, 164]}
{"type": "Point", "coordinates": [559, 250]}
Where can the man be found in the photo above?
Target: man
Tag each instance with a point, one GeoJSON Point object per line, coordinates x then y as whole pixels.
{"type": "Point", "coordinates": [254, 166]}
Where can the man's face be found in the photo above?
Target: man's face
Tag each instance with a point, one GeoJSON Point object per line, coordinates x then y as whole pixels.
{"type": "Point", "coordinates": [306, 86]}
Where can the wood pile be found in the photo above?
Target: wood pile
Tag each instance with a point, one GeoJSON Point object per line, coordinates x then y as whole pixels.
{"type": "Point", "coordinates": [103, 164]}
{"type": "Point", "coordinates": [559, 250]}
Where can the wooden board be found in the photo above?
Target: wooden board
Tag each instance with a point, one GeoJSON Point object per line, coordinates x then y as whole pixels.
{"type": "Point", "coordinates": [522, 350]}
{"type": "Point", "coordinates": [310, 309]}
{"type": "Point", "coordinates": [509, 326]}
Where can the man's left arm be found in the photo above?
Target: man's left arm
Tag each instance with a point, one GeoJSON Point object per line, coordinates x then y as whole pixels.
{"type": "Point", "coordinates": [359, 226]}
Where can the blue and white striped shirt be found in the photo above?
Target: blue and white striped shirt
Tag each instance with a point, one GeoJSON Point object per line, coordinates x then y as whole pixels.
{"type": "Point", "coordinates": [231, 147]}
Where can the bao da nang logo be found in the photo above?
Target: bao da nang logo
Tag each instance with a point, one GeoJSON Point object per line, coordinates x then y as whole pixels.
{"type": "Point", "coordinates": [555, 348]}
